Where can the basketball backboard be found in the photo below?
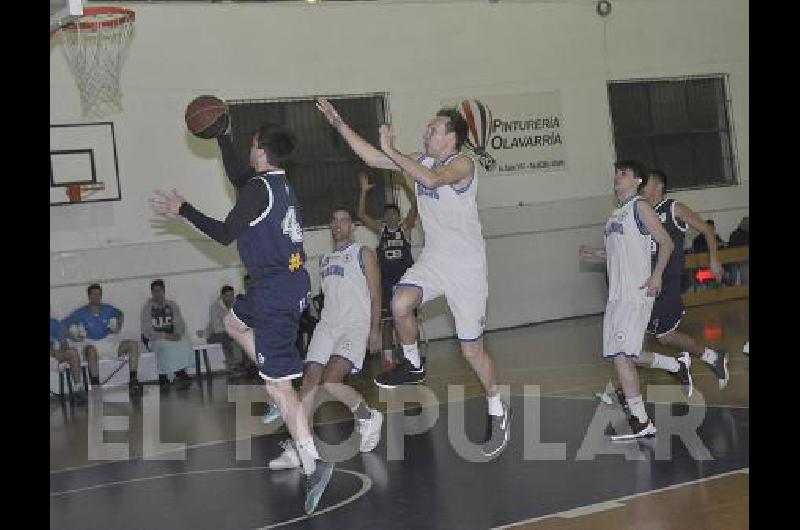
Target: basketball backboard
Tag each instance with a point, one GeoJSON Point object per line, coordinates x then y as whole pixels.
{"type": "Point", "coordinates": [63, 12]}
{"type": "Point", "coordinates": [83, 163]}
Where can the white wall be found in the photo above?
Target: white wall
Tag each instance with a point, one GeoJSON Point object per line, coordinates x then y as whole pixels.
{"type": "Point", "coordinates": [420, 54]}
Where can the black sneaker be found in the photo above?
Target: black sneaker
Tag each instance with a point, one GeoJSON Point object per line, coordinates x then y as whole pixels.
{"type": "Point", "coordinates": [316, 483]}
{"type": "Point", "coordinates": [622, 401]}
{"type": "Point", "coordinates": [499, 432]}
{"type": "Point", "coordinates": [638, 430]}
{"type": "Point", "coordinates": [720, 369]}
{"type": "Point", "coordinates": [685, 376]}
{"type": "Point", "coordinates": [403, 373]}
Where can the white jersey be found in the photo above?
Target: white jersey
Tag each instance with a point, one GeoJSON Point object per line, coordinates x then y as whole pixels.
{"type": "Point", "coordinates": [344, 284]}
{"type": "Point", "coordinates": [627, 252]}
{"type": "Point", "coordinates": [449, 216]}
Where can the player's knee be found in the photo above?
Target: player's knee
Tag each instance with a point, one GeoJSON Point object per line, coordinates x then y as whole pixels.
{"type": "Point", "coordinates": [472, 350]}
{"type": "Point", "coordinates": [402, 305]}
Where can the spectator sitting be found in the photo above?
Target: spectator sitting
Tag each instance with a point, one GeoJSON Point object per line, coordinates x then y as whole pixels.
{"type": "Point", "coordinates": [741, 236]}
{"type": "Point", "coordinates": [234, 357]}
{"type": "Point", "coordinates": [164, 331]}
{"type": "Point", "coordinates": [99, 325]}
{"type": "Point", "coordinates": [61, 352]}
{"type": "Point", "coordinates": [699, 243]}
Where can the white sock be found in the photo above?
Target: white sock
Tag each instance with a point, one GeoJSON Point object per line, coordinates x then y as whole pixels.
{"type": "Point", "coordinates": [637, 408]}
{"type": "Point", "coordinates": [495, 405]}
{"type": "Point", "coordinates": [387, 354]}
{"type": "Point", "coordinates": [664, 362]}
{"type": "Point", "coordinates": [709, 356]}
{"type": "Point", "coordinates": [411, 353]}
{"type": "Point", "coordinates": [308, 455]}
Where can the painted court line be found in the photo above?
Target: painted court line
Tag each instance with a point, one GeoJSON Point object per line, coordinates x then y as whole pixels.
{"type": "Point", "coordinates": [616, 503]}
{"type": "Point", "coordinates": [366, 485]}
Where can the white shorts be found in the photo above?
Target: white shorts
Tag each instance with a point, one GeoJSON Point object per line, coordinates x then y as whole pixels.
{"type": "Point", "coordinates": [465, 288]}
{"type": "Point", "coordinates": [107, 347]}
{"type": "Point", "coordinates": [624, 325]}
{"type": "Point", "coordinates": [345, 340]}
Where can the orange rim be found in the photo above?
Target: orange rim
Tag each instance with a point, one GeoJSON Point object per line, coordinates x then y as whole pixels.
{"type": "Point", "coordinates": [126, 16]}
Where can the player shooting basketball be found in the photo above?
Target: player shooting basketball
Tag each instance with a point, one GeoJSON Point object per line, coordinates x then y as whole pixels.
{"type": "Point", "coordinates": [266, 225]}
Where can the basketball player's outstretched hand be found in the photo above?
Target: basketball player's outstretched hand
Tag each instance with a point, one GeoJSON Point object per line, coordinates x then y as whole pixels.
{"type": "Point", "coordinates": [166, 202]}
{"type": "Point", "coordinates": [329, 112]}
{"type": "Point", "coordinates": [387, 137]}
{"type": "Point", "coordinates": [653, 285]}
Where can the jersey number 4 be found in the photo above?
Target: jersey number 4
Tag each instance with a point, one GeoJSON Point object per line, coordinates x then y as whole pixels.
{"type": "Point", "coordinates": [291, 227]}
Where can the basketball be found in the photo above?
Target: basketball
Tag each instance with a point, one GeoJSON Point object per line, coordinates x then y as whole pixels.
{"type": "Point", "coordinates": [206, 117]}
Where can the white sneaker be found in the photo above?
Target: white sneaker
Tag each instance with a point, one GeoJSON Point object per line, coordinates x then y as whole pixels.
{"type": "Point", "coordinates": [289, 459]}
{"type": "Point", "coordinates": [370, 431]}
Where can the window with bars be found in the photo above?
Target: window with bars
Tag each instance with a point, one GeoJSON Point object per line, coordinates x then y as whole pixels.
{"type": "Point", "coordinates": [680, 126]}
{"type": "Point", "coordinates": [323, 170]}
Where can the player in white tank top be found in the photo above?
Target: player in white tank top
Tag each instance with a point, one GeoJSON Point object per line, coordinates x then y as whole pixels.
{"type": "Point", "coordinates": [350, 321]}
{"type": "Point", "coordinates": [627, 244]}
{"type": "Point", "coordinates": [453, 261]}
{"type": "Point", "coordinates": [449, 214]}
{"type": "Point", "coordinates": [344, 283]}
{"type": "Point", "coordinates": [633, 286]}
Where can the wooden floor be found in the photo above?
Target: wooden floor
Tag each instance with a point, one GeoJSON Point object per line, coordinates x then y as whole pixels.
{"type": "Point", "coordinates": [562, 358]}
{"type": "Point", "coordinates": [719, 503]}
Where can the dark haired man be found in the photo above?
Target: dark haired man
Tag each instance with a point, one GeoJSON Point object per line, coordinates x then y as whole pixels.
{"type": "Point", "coordinates": [634, 282]}
{"type": "Point", "coordinates": [216, 334]}
{"type": "Point", "coordinates": [97, 327]}
{"type": "Point", "coordinates": [668, 309]}
{"type": "Point", "coordinates": [453, 261]}
{"type": "Point", "coordinates": [394, 251]}
{"type": "Point", "coordinates": [348, 326]}
{"type": "Point", "coordinates": [266, 224]}
{"type": "Point", "coordinates": [164, 333]}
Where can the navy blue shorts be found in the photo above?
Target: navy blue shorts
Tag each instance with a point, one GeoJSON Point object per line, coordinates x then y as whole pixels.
{"type": "Point", "coordinates": [667, 311]}
{"type": "Point", "coordinates": [272, 309]}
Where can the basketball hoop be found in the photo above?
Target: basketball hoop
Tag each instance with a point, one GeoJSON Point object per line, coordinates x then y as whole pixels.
{"type": "Point", "coordinates": [94, 46]}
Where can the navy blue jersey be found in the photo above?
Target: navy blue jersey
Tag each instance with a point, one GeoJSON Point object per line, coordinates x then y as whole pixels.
{"type": "Point", "coordinates": [273, 242]}
{"type": "Point", "coordinates": [394, 254]}
{"type": "Point", "coordinates": [676, 228]}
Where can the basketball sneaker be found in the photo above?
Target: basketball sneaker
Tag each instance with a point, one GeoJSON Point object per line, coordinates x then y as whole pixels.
{"type": "Point", "coordinates": [684, 375]}
{"type": "Point", "coordinates": [288, 459]}
{"type": "Point", "coordinates": [720, 369]}
{"type": "Point", "coordinates": [271, 414]}
{"type": "Point", "coordinates": [403, 373]}
{"type": "Point", "coordinates": [499, 433]}
{"type": "Point", "coordinates": [638, 430]}
{"type": "Point", "coordinates": [316, 483]}
{"type": "Point", "coordinates": [370, 431]}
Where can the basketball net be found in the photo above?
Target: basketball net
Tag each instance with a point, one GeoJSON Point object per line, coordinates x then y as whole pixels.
{"type": "Point", "coordinates": [95, 46]}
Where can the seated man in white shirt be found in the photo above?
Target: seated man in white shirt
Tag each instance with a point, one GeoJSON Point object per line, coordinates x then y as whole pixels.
{"type": "Point", "coordinates": [216, 334]}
